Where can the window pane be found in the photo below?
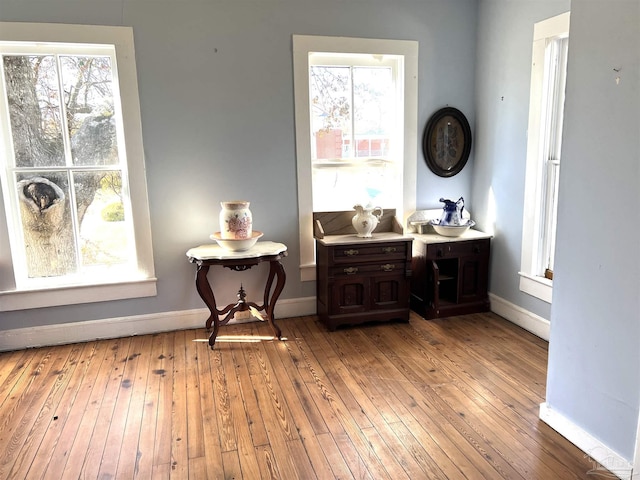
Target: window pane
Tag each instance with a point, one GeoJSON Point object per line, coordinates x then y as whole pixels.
{"type": "Point", "coordinates": [330, 92]}
{"type": "Point", "coordinates": [339, 187]}
{"type": "Point", "coordinates": [34, 110]}
{"type": "Point", "coordinates": [90, 113]}
{"type": "Point", "coordinates": [47, 225]}
{"type": "Point", "coordinates": [104, 238]}
{"type": "Point", "coordinates": [373, 110]}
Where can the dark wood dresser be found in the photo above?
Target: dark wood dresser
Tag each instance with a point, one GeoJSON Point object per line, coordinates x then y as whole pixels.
{"type": "Point", "coordinates": [450, 274]}
{"type": "Point", "coordinates": [362, 280]}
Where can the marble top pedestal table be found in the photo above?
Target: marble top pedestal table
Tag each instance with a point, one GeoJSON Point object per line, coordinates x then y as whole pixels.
{"type": "Point", "coordinates": [205, 256]}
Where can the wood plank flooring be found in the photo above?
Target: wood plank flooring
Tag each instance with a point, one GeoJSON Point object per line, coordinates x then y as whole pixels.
{"type": "Point", "coordinates": [445, 399]}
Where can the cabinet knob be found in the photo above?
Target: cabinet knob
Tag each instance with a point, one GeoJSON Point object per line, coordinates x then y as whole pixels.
{"type": "Point", "coordinates": [351, 252]}
{"type": "Point", "coordinates": [476, 249]}
{"type": "Point", "coordinates": [351, 270]}
{"type": "Point", "coordinates": [387, 267]}
{"type": "Point", "coordinates": [389, 249]}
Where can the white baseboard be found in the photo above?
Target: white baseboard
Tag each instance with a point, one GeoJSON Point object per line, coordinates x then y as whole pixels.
{"type": "Point", "coordinates": [529, 321]}
{"type": "Point", "coordinates": [64, 333]}
{"type": "Point", "coordinates": [61, 334]}
{"type": "Point", "coordinates": [609, 463]}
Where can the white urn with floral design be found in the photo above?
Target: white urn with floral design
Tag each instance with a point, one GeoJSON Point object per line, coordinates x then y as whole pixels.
{"type": "Point", "coordinates": [236, 220]}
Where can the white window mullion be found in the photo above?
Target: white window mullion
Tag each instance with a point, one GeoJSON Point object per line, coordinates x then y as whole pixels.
{"type": "Point", "coordinates": [64, 126]}
{"type": "Point", "coordinates": [74, 219]}
{"type": "Point", "coordinates": [68, 155]}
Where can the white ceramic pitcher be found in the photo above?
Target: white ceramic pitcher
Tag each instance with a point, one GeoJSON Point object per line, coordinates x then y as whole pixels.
{"type": "Point", "coordinates": [366, 219]}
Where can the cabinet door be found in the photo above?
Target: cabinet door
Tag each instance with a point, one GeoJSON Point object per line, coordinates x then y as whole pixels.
{"type": "Point", "coordinates": [472, 282]}
{"type": "Point", "coordinates": [349, 294]}
{"type": "Point", "coordinates": [389, 291]}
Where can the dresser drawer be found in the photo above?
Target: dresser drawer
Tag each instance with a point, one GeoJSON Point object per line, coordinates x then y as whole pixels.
{"type": "Point", "coordinates": [457, 249]}
{"type": "Point", "coordinates": [370, 253]}
{"type": "Point", "coordinates": [368, 268]}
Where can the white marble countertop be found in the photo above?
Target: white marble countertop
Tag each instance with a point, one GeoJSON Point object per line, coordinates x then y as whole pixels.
{"type": "Point", "coordinates": [470, 234]}
{"type": "Point", "coordinates": [216, 252]}
{"type": "Point", "coordinates": [353, 238]}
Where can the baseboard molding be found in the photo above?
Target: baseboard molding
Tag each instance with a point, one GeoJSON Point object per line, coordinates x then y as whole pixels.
{"type": "Point", "coordinates": [76, 332]}
{"type": "Point", "coordinates": [61, 334]}
{"type": "Point", "coordinates": [529, 321]}
{"type": "Point", "coordinates": [609, 463]}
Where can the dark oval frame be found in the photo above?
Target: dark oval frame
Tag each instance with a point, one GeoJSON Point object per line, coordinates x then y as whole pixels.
{"type": "Point", "coordinates": [429, 152]}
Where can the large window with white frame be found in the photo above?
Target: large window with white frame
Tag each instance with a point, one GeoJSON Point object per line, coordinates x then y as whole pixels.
{"type": "Point", "coordinates": [546, 109]}
{"type": "Point", "coordinates": [72, 169]}
{"type": "Point", "coordinates": [355, 132]}
{"type": "Point", "coordinates": [356, 126]}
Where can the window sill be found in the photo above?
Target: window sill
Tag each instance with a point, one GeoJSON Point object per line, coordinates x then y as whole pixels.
{"type": "Point", "coordinates": [71, 295]}
{"type": "Point", "coordinates": [538, 287]}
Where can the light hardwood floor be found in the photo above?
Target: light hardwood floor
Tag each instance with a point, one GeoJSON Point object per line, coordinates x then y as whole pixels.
{"type": "Point", "coordinates": [453, 398]}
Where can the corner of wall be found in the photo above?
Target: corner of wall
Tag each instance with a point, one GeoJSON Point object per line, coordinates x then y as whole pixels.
{"type": "Point", "coordinates": [529, 321]}
{"type": "Point", "coordinates": [606, 462]}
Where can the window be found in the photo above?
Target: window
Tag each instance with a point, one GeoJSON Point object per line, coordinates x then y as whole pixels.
{"type": "Point", "coordinates": [355, 144]}
{"type": "Point", "coordinates": [546, 108]}
{"type": "Point", "coordinates": [356, 128]}
{"type": "Point", "coordinates": [75, 202]}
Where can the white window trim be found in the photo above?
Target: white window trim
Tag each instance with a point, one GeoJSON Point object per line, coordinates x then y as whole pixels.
{"type": "Point", "coordinates": [144, 285]}
{"type": "Point", "coordinates": [302, 46]}
{"type": "Point", "coordinates": [531, 284]}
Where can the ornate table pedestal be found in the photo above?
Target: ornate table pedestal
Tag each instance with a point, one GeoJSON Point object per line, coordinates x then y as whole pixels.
{"type": "Point", "coordinates": [205, 256]}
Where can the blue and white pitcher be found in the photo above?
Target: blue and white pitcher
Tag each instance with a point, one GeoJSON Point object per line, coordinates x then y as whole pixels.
{"type": "Point", "coordinates": [452, 212]}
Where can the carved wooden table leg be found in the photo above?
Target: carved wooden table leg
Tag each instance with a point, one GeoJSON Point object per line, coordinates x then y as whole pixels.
{"type": "Point", "coordinates": [206, 293]}
{"type": "Point", "coordinates": [275, 270]}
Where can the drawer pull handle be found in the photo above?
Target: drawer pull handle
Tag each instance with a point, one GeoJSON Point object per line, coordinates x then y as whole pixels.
{"type": "Point", "coordinates": [387, 267]}
{"type": "Point", "coordinates": [351, 270]}
{"type": "Point", "coordinates": [389, 250]}
{"type": "Point", "coordinates": [351, 252]}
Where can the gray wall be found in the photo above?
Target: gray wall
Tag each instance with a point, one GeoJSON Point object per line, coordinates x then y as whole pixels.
{"type": "Point", "coordinates": [594, 361]}
{"type": "Point", "coordinates": [593, 375]}
{"type": "Point", "coordinates": [216, 92]}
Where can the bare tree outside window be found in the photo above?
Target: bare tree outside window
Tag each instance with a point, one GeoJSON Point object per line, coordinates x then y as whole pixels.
{"type": "Point", "coordinates": [67, 169]}
{"type": "Point", "coordinates": [330, 98]}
